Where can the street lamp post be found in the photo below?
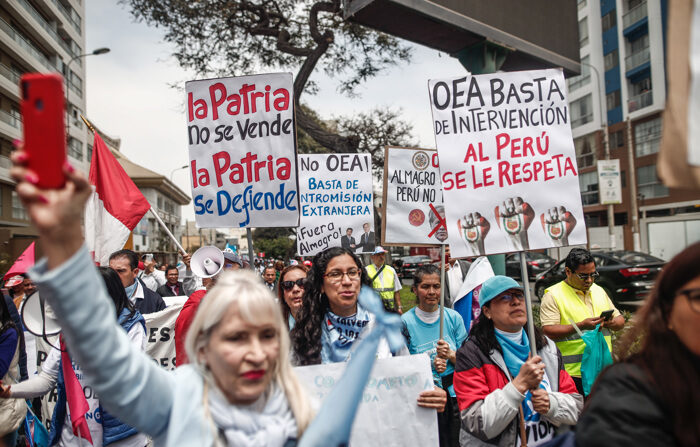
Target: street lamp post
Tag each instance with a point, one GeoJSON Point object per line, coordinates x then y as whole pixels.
{"type": "Point", "coordinates": [606, 146]}
{"type": "Point", "coordinates": [177, 169]}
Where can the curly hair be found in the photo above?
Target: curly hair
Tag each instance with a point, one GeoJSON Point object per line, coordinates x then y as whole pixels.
{"type": "Point", "coordinates": [280, 290]}
{"type": "Point", "coordinates": [306, 335]}
{"type": "Point", "coordinates": [674, 371]}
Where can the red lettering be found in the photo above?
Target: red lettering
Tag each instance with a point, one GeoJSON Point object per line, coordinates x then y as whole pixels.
{"type": "Point", "coordinates": [516, 173]}
{"type": "Point", "coordinates": [461, 180]}
{"type": "Point", "coordinates": [514, 146]}
{"type": "Point", "coordinates": [503, 173]}
{"type": "Point", "coordinates": [434, 160]}
{"type": "Point", "coordinates": [447, 182]}
{"type": "Point", "coordinates": [557, 159]}
{"type": "Point", "coordinates": [502, 140]}
{"type": "Point", "coordinates": [248, 161]}
{"type": "Point", "coordinates": [215, 103]}
{"type": "Point", "coordinates": [471, 153]}
{"type": "Point", "coordinates": [193, 166]}
{"type": "Point", "coordinates": [220, 168]}
{"type": "Point", "coordinates": [527, 146]}
{"type": "Point", "coordinates": [487, 176]}
{"type": "Point", "coordinates": [267, 98]}
{"type": "Point", "coordinates": [247, 88]}
{"type": "Point", "coordinates": [234, 105]}
{"type": "Point", "coordinates": [569, 165]}
{"type": "Point", "coordinates": [548, 170]}
{"type": "Point", "coordinates": [284, 168]}
{"type": "Point", "coordinates": [476, 183]}
{"type": "Point", "coordinates": [282, 101]}
{"type": "Point", "coordinates": [190, 111]}
{"type": "Point", "coordinates": [254, 100]}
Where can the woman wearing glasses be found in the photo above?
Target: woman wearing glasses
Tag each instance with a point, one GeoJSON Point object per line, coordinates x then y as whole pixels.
{"type": "Point", "coordinates": [290, 291]}
{"type": "Point", "coordinates": [503, 393]}
{"type": "Point", "coordinates": [652, 397]}
{"type": "Point", "coordinates": [331, 320]}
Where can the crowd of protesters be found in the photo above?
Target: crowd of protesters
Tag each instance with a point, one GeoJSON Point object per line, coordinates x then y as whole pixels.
{"type": "Point", "coordinates": [243, 329]}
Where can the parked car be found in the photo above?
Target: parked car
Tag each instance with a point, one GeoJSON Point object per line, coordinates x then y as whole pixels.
{"type": "Point", "coordinates": [626, 276]}
{"type": "Point", "coordinates": [536, 264]}
{"type": "Point", "coordinates": [410, 264]}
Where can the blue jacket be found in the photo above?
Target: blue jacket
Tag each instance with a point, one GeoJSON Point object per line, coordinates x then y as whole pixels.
{"type": "Point", "coordinates": [112, 429]}
{"type": "Point", "coordinates": [168, 405]}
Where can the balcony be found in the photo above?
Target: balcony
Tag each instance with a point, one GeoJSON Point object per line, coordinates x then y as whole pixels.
{"type": "Point", "coordinates": [11, 120]}
{"type": "Point", "coordinates": [634, 15]}
{"type": "Point", "coordinates": [75, 21]}
{"type": "Point", "coordinates": [581, 120]}
{"type": "Point", "coordinates": [51, 30]}
{"type": "Point", "coordinates": [25, 44]}
{"type": "Point", "coordinates": [9, 73]}
{"type": "Point", "coordinates": [640, 101]}
{"type": "Point", "coordinates": [637, 59]}
{"type": "Point", "coordinates": [578, 81]}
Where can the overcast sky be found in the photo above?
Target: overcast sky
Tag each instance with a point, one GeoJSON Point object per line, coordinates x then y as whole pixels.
{"type": "Point", "coordinates": [129, 93]}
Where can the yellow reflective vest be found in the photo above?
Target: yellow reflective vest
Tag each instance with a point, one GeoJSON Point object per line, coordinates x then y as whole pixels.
{"type": "Point", "coordinates": [383, 284]}
{"type": "Point", "coordinates": [571, 307]}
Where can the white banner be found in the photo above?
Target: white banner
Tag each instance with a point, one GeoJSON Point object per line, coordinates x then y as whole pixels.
{"type": "Point", "coordinates": [609, 184]}
{"type": "Point", "coordinates": [336, 202]}
{"type": "Point", "coordinates": [160, 332]}
{"type": "Point", "coordinates": [388, 413]}
{"type": "Point", "coordinates": [508, 165]}
{"type": "Point", "coordinates": [243, 151]}
{"type": "Point", "coordinates": [413, 210]}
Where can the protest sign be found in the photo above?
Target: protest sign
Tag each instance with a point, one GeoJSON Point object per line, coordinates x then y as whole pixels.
{"type": "Point", "coordinates": [610, 186]}
{"type": "Point", "coordinates": [48, 400]}
{"type": "Point", "coordinates": [242, 146]}
{"type": "Point", "coordinates": [413, 210]}
{"type": "Point", "coordinates": [335, 199]}
{"type": "Point", "coordinates": [388, 413]}
{"type": "Point", "coordinates": [508, 165]}
{"type": "Point", "coordinates": [160, 332]}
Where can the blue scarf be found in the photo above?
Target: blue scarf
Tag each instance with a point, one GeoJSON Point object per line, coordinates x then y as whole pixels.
{"type": "Point", "coordinates": [514, 354]}
{"type": "Point", "coordinates": [131, 290]}
{"type": "Point", "coordinates": [339, 333]}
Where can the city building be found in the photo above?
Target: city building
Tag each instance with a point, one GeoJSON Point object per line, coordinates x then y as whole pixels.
{"type": "Point", "coordinates": [194, 238]}
{"type": "Point", "coordinates": [622, 86]}
{"type": "Point", "coordinates": [37, 36]}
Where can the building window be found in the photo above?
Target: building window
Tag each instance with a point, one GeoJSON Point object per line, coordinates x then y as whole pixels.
{"type": "Point", "coordinates": [609, 20]}
{"type": "Point", "coordinates": [589, 187]}
{"type": "Point", "coordinates": [648, 183]}
{"type": "Point", "coordinates": [585, 151]}
{"type": "Point", "coordinates": [582, 79]}
{"type": "Point", "coordinates": [647, 137]}
{"type": "Point", "coordinates": [616, 139]}
{"type": "Point", "coordinates": [612, 99]}
{"type": "Point", "coordinates": [18, 211]}
{"type": "Point", "coordinates": [581, 111]}
{"type": "Point", "coordinates": [583, 32]}
{"type": "Point", "coordinates": [89, 152]}
{"type": "Point", "coordinates": [611, 60]}
{"type": "Point", "coordinates": [640, 95]}
{"type": "Point", "coordinates": [75, 148]}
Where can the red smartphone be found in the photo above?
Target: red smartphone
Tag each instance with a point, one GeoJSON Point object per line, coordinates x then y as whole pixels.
{"type": "Point", "coordinates": [43, 118]}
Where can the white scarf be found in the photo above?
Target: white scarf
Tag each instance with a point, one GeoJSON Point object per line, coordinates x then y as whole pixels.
{"type": "Point", "coordinates": [267, 422]}
{"type": "Point", "coordinates": [427, 317]}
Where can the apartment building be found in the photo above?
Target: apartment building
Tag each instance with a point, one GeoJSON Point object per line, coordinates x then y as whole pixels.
{"type": "Point", "coordinates": [37, 36]}
{"type": "Point", "coordinates": [622, 87]}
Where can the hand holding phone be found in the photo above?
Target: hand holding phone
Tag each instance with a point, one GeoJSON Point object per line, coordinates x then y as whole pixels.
{"type": "Point", "coordinates": [606, 315]}
{"type": "Point", "coordinates": [43, 112]}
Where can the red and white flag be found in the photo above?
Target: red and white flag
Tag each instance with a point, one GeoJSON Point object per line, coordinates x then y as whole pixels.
{"type": "Point", "coordinates": [115, 207]}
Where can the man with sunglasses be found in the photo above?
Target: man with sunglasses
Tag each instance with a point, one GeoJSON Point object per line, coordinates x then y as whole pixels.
{"type": "Point", "coordinates": [577, 299]}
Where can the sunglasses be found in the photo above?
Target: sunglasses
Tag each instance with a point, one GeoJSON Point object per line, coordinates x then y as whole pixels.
{"type": "Point", "coordinates": [289, 285]}
{"type": "Point", "coordinates": [508, 297]}
{"type": "Point", "coordinates": [585, 276]}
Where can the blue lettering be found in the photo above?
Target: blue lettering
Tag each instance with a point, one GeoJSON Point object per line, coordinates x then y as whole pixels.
{"type": "Point", "coordinates": [219, 196]}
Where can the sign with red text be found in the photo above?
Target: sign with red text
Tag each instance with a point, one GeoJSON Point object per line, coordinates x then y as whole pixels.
{"type": "Point", "coordinates": [242, 146]}
{"type": "Point", "coordinates": [413, 210]}
{"type": "Point", "coordinates": [336, 203]}
{"type": "Point", "coordinates": [508, 164]}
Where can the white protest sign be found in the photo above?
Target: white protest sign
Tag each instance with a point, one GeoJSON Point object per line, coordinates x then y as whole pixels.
{"type": "Point", "coordinates": [336, 203]}
{"type": "Point", "coordinates": [413, 210]}
{"type": "Point", "coordinates": [507, 162]}
{"type": "Point", "coordinates": [609, 184]}
{"type": "Point", "coordinates": [160, 332]}
{"type": "Point", "coordinates": [48, 400]}
{"type": "Point", "coordinates": [242, 151]}
{"type": "Point", "coordinates": [388, 413]}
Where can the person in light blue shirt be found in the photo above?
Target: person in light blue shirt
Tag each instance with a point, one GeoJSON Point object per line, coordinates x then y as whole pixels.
{"type": "Point", "coordinates": [421, 327]}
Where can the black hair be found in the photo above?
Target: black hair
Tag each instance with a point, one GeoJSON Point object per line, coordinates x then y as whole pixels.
{"type": "Point", "coordinates": [306, 335]}
{"type": "Point", "coordinates": [348, 229]}
{"type": "Point", "coordinates": [171, 267]}
{"type": "Point", "coordinates": [422, 270]}
{"type": "Point", "coordinates": [128, 254]}
{"type": "Point", "coordinates": [6, 322]}
{"type": "Point", "coordinates": [483, 332]}
{"type": "Point", "coordinates": [577, 257]}
{"type": "Point", "coordinates": [115, 289]}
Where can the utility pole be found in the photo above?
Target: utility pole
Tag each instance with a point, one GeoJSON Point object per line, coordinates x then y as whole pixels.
{"type": "Point", "coordinates": [634, 211]}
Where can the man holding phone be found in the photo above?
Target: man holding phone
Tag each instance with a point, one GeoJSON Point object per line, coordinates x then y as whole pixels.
{"type": "Point", "coordinates": [580, 300]}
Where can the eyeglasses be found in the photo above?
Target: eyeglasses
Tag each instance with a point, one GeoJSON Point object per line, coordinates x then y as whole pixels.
{"type": "Point", "coordinates": [508, 297]}
{"type": "Point", "coordinates": [585, 276]}
{"type": "Point", "coordinates": [693, 296]}
{"type": "Point", "coordinates": [337, 276]}
{"type": "Point", "coordinates": [289, 285]}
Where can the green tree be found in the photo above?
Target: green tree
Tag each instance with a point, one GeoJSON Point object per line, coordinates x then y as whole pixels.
{"type": "Point", "coordinates": [217, 37]}
{"type": "Point", "coordinates": [275, 242]}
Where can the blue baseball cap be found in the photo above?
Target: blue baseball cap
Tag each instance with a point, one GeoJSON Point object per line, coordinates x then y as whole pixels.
{"type": "Point", "coordinates": [494, 286]}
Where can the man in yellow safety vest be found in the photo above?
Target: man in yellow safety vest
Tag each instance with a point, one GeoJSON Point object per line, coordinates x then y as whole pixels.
{"type": "Point", "coordinates": [577, 299]}
{"type": "Point", "coordinates": [385, 281]}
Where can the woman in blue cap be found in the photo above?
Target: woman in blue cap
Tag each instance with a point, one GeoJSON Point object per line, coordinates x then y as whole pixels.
{"type": "Point", "coordinates": [504, 394]}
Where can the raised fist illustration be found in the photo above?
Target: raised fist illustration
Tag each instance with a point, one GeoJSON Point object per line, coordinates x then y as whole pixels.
{"type": "Point", "coordinates": [514, 216]}
{"type": "Point", "coordinates": [473, 228]}
{"type": "Point", "coordinates": [557, 224]}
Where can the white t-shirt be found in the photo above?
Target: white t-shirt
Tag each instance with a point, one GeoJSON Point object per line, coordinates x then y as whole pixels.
{"type": "Point", "coordinates": [454, 275]}
{"type": "Point", "coordinates": [154, 279]}
{"type": "Point", "coordinates": [137, 335]}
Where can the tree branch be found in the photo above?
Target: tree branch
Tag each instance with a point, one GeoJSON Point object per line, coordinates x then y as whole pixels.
{"type": "Point", "coordinates": [332, 141]}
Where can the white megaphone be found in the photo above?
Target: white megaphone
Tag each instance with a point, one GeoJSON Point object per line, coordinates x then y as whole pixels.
{"type": "Point", "coordinates": [38, 317]}
{"type": "Point", "coordinates": [207, 261]}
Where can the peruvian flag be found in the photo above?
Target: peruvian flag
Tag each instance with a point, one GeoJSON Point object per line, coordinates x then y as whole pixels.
{"type": "Point", "coordinates": [115, 207]}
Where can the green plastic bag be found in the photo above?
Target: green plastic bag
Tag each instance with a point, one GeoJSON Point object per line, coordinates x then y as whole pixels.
{"type": "Point", "coordinates": [596, 356]}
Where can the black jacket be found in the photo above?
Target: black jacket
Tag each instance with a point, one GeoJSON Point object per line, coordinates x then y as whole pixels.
{"type": "Point", "coordinates": [624, 410]}
{"type": "Point", "coordinates": [165, 290]}
{"type": "Point", "coordinates": [151, 301]}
